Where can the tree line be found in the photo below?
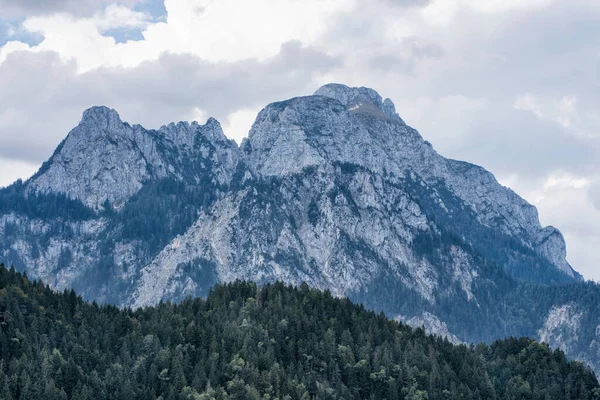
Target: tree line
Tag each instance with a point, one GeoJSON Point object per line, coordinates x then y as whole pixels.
{"type": "Point", "coordinates": [249, 342]}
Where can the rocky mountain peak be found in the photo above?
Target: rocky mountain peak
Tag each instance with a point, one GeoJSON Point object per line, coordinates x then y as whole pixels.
{"type": "Point", "coordinates": [361, 100]}
{"type": "Point", "coordinates": [291, 135]}
{"type": "Point", "coordinates": [213, 131]}
{"type": "Point", "coordinates": [104, 158]}
{"type": "Point", "coordinates": [338, 124]}
{"type": "Point", "coordinates": [188, 134]}
{"type": "Point", "coordinates": [101, 117]}
{"type": "Point", "coordinates": [345, 125]}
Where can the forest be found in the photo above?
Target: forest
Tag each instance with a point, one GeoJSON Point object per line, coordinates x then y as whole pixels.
{"type": "Point", "coordinates": [245, 341]}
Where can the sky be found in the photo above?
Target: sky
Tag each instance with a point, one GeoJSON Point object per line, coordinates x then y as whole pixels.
{"type": "Point", "coordinates": [511, 85]}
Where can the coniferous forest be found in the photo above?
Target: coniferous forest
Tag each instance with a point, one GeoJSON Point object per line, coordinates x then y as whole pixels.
{"type": "Point", "coordinates": [249, 342]}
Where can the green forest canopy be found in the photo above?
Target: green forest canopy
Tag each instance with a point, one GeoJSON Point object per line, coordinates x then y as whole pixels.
{"type": "Point", "coordinates": [249, 342]}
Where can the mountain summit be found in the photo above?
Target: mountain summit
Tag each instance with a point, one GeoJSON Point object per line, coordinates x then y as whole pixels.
{"type": "Point", "coordinates": [332, 189]}
{"type": "Point", "coordinates": [290, 136]}
{"type": "Point", "coordinates": [106, 159]}
{"type": "Point", "coordinates": [360, 100]}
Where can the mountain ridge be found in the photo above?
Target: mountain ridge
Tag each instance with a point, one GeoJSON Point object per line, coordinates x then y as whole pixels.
{"type": "Point", "coordinates": [140, 155]}
{"type": "Point", "coordinates": [332, 189]}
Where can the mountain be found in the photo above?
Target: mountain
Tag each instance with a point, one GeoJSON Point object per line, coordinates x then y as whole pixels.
{"type": "Point", "coordinates": [105, 159]}
{"type": "Point", "coordinates": [90, 202]}
{"type": "Point", "coordinates": [250, 342]}
{"type": "Point", "coordinates": [333, 189]}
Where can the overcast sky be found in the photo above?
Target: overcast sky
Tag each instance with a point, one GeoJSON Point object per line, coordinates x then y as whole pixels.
{"type": "Point", "coordinates": [511, 85]}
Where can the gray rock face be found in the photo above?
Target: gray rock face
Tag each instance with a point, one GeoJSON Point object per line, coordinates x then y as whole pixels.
{"type": "Point", "coordinates": [64, 255]}
{"type": "Point", "coordinates": [332, 189]}
{"type": "Point", "coordinates": [302, 229]}
{"type": "Point", "coordinates": [360, 100]}
{"type": "Point", "coordinates": [104, 158]}
{"type": "Point", "coordinates": [432, 325]}
{"type": "Point", "coordinates": [292, 135]}
{"type": "Point", "coordinates": [563, 329]}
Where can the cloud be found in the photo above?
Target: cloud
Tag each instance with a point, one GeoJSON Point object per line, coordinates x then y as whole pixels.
{"type": "Point", "coordinates": [406, 55]}
{"type": "Point", "coordinates": [562, 199]}
{"type": "Point", "coordinates": [594, 194]}
{"type": "Point", "coordinates": [409, 3]}
{"type": "Point", "coordinates": [445, 12]}
{"type": "Point", "coordinates": [82, 38]}
{"type": "Point", "coordinates": [447, 121]}
{"type": "Point", "coordinates": [527, 102]}
{"type": "Point", "coordinates": [224, 30]}
{"type": "Point", "coordinates": [565, 181]}
{"type": "Point", "coordinates": [12, 47]}
{"type": "Point", "coordinates": [238, 123]}
{"type": "Point", "coordinates": [21, 8]}
{"type": "Point", "coordinates": [44, 96]}
{"type": "Point", "coordinates": [11, 170]}
{"type": "Point", "coordinates": [563, 111]}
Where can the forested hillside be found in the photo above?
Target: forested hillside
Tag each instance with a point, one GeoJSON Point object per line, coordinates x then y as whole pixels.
{"type": "Point", "coordinates": [249, 342]}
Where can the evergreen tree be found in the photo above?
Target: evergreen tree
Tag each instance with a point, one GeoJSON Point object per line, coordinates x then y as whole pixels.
{"type": "Point", "coordinates": [255, 343]}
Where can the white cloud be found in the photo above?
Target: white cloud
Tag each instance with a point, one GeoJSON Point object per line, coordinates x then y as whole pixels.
{"type": "Point", "coordinates": [528, 102]}
{"type": "Point", "coordinates": [12, 47]}
{"type": "Point", "coordinates": [563, 200]}
{"type": "Point", "coordinates": [225, 30]}
{"type": "Point", "coordinates": [11, 170]}
{"type": "Point", "coordinates": [116, 16]}
{"type": "Point", "coordinates": [563, 111]}
{"type": "Point", "coordinates": [82, 39]}
{"type": "Point", "coordinates": [495, 6]}
{"type": "Point", "coordinates": [198, 115]}
{"type": "Point", "coordinates": [239, 123]}
{"type": "Point", "coordinates": [565, 181]}
{"type": "Point", "coordinates": [582, 254]}
{"type": "Point", "coordinates": [510, 181]}
{"type": "Point", "coordinates": [444, 12]}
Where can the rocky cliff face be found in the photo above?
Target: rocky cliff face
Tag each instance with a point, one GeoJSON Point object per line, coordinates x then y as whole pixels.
{"type": "Point", "coordinates": [104, 158]}
{"type": "Point", "coordinates": [565, 328]}
{"type": "Point", "coordinates": [332, 189]}
{"type": "Point", "coordinates": [112, 170]}
{"type": "Point", "coordinates": [353, 125]}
